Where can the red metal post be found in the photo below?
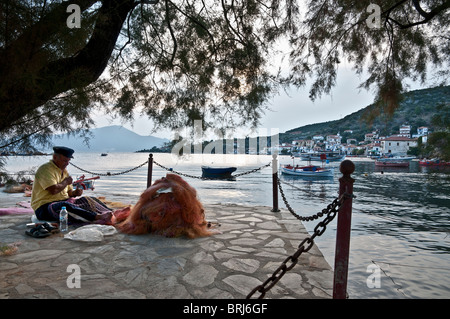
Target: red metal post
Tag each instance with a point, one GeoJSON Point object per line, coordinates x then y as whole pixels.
{"type": "Point", "coordinates": [275, 182]}
{"type": "Point", "coordinates": [344, 219]}
{"type": "Point", "coordinates": [150, 170]}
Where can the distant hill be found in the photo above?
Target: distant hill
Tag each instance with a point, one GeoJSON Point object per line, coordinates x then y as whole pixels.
{"type": "Point", "coordinates": [113, 138]}
{"type": "Point", "coordinates": [416, 109]}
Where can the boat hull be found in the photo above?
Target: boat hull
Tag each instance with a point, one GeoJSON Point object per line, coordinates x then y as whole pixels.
{"type": "Point", "coordinates": [396, 159]}
{"type": "Point", "coordinates": [433, 163]}
{"type": "Point", "coordinates": [217, 172]}
{"type": "Point", "coordinates": [391, 164]}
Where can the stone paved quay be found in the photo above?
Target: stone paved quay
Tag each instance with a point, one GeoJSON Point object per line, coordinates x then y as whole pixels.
{"type": "Point", "coordinates": [252, 244]}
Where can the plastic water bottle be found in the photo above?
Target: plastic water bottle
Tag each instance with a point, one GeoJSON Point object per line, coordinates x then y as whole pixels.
{"type": "Point", "coordinates": [63, 227]}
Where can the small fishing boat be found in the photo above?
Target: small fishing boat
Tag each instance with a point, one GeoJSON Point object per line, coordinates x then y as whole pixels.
{"type": "Point", "coordinates": [104, 154]}
{"type": "Point", "coordinates": [392, 163]}
{"type": "Point", "coordinates": [395, 158]}
{"type": "Point", "coordinates": [433, 162]}
{"type": "Point", "coordinates": [217, 172]}
{"type": "Point", "coordinates": [322, 156]}
{"type": "Point", "coordinates": [309, 170]}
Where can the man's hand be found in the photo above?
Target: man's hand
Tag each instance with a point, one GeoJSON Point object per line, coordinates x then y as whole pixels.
{"type": "Point", "coordinates": [57, 188]}
{"type": "Point", "coordinates": [76, 192]}
{"type": "Point", "coordinates": [68, 180]}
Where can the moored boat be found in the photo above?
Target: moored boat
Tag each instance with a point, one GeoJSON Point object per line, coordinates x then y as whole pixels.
{"type": "Point", "coordinates": [395, 158]}
{"type": "Point", "coordinates": [309, 170]}
{"type": "Point", "coordinates": [322, 156]}
{"type": "Point", "coordinates": [392, 163]}
{"type": "Point", "coordinates": [433, 162]}
{"type": "Point", "coordinates": [217, 172]}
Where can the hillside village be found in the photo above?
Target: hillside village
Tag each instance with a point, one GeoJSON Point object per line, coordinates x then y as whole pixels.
{"type": "Point", "coordinates": [373, 144]}
{"type": "Point", "coordinates": [395, 134]}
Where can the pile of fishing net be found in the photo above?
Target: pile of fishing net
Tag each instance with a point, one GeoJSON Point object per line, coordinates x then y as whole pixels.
{"type": "Point", "coordinates": [169, 207]}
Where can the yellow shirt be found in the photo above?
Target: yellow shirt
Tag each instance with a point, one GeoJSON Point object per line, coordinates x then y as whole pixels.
{"type": "Point", "coordinates": [47, 175]}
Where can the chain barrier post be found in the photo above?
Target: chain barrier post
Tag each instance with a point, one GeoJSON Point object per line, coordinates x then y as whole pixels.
{"type": "Point", "coordinates": [344, 217]}
{"type": "Point", "coordinates": [275, 182]}
{"type": "Point", "coordinates": [150, 170]}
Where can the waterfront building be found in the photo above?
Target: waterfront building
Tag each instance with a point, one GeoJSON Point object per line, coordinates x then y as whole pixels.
{"type": "Point", "coordinates": [397, 145]}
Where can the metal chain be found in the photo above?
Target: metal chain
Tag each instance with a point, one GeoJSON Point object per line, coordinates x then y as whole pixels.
{"type": "Point", "coordinates": [301, 218]}
{"type": "Point", "coordinates": [163, 167]}
{"type": "Point", "coordinates": [178, 173]}
{"type": "Point", "coordinates": [331, 211]}
{"type": "Point", "coordinates": [251, 171]}
{"type": "Point", "coordinates": [206, 178]}
{"type": "Point", "coordinates": [108, 173]}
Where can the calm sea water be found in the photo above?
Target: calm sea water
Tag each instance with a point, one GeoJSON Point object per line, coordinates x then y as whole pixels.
{"type": "Point", "coordinates": [400, 222]}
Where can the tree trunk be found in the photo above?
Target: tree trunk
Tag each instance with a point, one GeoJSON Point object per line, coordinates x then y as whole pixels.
{"type": "Point", "coordinates": [25, 85]}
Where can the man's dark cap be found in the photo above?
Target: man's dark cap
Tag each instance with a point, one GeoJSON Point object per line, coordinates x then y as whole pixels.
{"type": "Point", "coordinates": [67, 152]}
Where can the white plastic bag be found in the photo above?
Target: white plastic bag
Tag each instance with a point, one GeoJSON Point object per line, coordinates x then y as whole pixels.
{"type": "Point", "coordinates": [107, 230]}
{"type": "Point", "coordinates": [91, 233]}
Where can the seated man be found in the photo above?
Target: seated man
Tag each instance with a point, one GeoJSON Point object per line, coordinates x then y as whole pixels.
{"type": "Point", "coordinates": [52, 189]}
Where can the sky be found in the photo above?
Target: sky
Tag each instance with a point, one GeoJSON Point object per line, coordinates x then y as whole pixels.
{"type": "Point", "coordinates": [287, 110]}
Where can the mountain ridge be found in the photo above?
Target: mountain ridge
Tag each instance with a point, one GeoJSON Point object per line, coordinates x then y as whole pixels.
{"type": "Point", "coordinates": [416, 109]}
{"type": "Point", "coordinates": [114, 138]}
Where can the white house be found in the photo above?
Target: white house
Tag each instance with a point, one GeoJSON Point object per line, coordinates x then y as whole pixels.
{"type": "Point", "coordinates": [334, 139]}
{"type": "Point", "coordinates": [397, 145]}
{"type": "Point", "coordinates": [374, 148]}
{"type": "Point", "coordinates": [405, 130]}
{"type": "Point", "coordinates": [318, 138]}
{"type": "Point", "coordinates": [369, 137]}
{"type": "Point", "coordinates": [421, 131]}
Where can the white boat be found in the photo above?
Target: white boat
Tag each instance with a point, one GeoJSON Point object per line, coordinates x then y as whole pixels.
{"type": "Point", "coordinates": [309, 170]}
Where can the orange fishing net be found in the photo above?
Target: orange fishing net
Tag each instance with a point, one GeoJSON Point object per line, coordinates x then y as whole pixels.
{"type": "Point", "coordinates": [169, 207]}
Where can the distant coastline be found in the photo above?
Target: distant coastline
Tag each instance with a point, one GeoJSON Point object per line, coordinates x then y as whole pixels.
{"type": "Point", "coordinates": [154, 149]}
